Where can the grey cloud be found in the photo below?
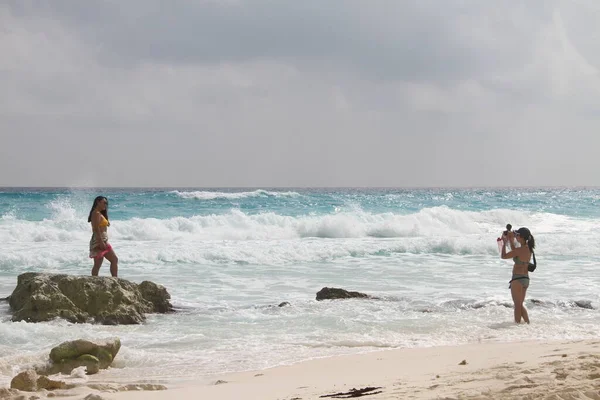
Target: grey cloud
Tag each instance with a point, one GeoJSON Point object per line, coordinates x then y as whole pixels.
{"type": "Point", "coordinates": [282, 93]}
{"type": "Point", "coordinates": [388, 40]}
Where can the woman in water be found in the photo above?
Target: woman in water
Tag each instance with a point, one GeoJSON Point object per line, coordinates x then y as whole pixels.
{"type": "Point", "coordinates": [520, 275]}
{"type": "Point", "coordinates": [99, 246]}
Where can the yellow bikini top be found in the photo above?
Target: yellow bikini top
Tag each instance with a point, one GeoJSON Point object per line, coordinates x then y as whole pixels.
{"type": "Point", "coordinates": [103, 222]}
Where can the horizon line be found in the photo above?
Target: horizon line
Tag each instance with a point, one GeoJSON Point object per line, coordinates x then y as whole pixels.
{"type": "Point", "coordinates": [303, 187]}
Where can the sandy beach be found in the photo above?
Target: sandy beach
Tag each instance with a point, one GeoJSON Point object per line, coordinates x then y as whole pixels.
{"type": "Point", "coordinates": [498, 371]}
{"type": "Point", "coordinates": [526, 370]}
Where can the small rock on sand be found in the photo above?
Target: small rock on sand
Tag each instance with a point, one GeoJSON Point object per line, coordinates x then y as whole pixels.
{"type": "Point", "coordinates": [93, 397]}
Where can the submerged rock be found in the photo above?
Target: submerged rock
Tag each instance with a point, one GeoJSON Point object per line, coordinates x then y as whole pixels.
{"type": "Point", "coordinates": [30, 381]}
{"type": "Point", "coordinates": [6, 393]}
{"type": "Point", "coordinates": [111, 301]}
{"type": "Point", "coordinates": [104, 351]}
{"type": "Point", "coordinates": [587, 304]}
{"type": "Point", "coordinates": [336, 293]}
{"type": "Point", "coordinates": [64, 358]}
{"type": "Point", "coordinates": [67, 356]}
{"type": "Point", "coordinates": [93, 396]}
{"type": "Point", "coordinates": [44, 382]}
{"type": "Point", "coordinates": [94, 356]}
{"type": "Point", "coordinates": [25, 381]}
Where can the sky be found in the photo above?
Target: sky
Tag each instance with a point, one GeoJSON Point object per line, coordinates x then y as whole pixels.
{"type": "Point", "coordinates": [282, 93]}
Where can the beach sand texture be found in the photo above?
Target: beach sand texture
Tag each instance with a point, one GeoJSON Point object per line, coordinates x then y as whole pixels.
{"type": "Point", "coordinates": [526, 370]}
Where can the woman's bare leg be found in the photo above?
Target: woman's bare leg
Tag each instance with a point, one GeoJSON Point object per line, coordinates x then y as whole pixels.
{"type": "Point", "coordinates": [516, 291]}
{"type": "Point", "coordinates": [114, 261]}
{"type": "Point", "coordinates": [97, 265]}
{"type": "Point", "coordinates": [523, 309]}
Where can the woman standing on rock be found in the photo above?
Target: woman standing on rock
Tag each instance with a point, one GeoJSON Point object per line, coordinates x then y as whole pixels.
{"type": "Point", "coordinates": [99, 246]}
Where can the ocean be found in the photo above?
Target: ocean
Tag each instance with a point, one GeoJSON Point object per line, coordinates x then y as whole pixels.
{"type": "Point", "coordinates": [228, 257]}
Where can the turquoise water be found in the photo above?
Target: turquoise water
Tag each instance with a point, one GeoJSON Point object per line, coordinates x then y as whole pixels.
{"type": "Point", "coordinates": [228, 257]}
{"type": "Point", "coordinates": [39, 204]}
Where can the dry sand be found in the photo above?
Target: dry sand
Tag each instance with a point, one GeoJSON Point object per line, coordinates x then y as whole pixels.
{"type": "Point", "coordinates": [527, 370]}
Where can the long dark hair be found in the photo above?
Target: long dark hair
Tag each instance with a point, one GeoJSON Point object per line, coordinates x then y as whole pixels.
{"type": "Point", "coordinates": [103, 212]}
{"type": "Point", "coordinates": [526, 234]}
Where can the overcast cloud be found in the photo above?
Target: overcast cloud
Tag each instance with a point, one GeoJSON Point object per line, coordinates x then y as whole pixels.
{"type": "Point", "coordinates": [299, 93]}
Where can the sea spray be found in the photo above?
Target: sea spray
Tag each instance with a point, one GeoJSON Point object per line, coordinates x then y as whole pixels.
{"type": "Point", "coordinates": [229, 257]}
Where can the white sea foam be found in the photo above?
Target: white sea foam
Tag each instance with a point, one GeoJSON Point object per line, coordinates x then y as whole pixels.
{"type": "Point", "coordinates": [208, 195]}
{"type": "Point", "coordinates": [436, 271]}
{"type": "Point", "coordinates": [431, 230]}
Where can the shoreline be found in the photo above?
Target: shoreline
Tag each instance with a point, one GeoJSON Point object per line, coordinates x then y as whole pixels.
{"type": "Point", "coordinates": [513, 370]}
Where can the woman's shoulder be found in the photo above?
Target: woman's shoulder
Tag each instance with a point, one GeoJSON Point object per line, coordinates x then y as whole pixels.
{"type": "Point", "coordinates": [524, 251]}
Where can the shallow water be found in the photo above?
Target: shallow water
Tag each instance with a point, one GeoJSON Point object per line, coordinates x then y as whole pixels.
{"type": "Point", "coordinates": [228, 258]}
